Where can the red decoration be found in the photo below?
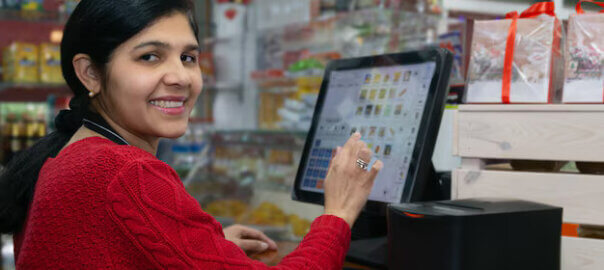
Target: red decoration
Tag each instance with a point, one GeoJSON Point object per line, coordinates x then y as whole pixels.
{"type": "Point", "coordinates": [230, 13]}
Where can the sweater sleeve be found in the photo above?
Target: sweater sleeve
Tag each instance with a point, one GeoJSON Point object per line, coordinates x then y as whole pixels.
{"type": "Point", "coordinates": [149, 204]}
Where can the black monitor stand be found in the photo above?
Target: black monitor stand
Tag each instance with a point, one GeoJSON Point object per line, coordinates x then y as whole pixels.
{"type": "Point", "coordinates": [369, 245]}
{"type": "Point", "coordinates": [371, 252]}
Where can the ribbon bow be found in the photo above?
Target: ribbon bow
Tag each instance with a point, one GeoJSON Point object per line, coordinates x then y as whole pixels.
{"type": "Point", "coordinates": [533, 11]}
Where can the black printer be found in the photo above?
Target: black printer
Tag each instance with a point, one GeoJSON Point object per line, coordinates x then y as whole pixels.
{"type": "Point", "coordinates": [474, 234]}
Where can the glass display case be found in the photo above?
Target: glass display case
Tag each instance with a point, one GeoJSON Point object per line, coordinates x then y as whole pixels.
{"type": "Point", "coordinates": [245, 176]}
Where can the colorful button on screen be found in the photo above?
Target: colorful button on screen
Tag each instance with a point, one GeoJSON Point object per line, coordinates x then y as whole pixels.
{"type": "Point", "coordinates": [318, 164]}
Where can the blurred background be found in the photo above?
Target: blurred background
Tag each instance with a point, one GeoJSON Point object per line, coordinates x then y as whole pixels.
{"type": "Point", "coordinates": [262, 65]}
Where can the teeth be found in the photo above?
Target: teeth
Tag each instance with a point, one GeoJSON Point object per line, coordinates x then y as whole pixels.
{"type": "Point", "coordinates": [167, 104]}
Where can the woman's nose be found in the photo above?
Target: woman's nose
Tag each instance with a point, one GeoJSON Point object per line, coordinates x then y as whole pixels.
{"type": "Point", "coordinates": [176, 74]}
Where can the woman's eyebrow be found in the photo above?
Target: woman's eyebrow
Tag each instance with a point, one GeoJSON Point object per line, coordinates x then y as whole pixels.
{"type": "Point", "coordinates": [192, 47]}
{"type": "Point", "coordinates": [152, 43]}
{"type": "Point", "coordinates": [164, 45]}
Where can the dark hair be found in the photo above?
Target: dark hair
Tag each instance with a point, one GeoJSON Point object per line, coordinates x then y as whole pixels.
{"type": "Point", "coordinates": [96, 28]}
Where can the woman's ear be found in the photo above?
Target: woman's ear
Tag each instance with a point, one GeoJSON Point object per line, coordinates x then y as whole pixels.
{"type": "Point", "coordinates": [87, 73]}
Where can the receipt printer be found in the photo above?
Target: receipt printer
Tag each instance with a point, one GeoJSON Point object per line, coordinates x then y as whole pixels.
{"type": "Point", "coordinates": [474, 234]}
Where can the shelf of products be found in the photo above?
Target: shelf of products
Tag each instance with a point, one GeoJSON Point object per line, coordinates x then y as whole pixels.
{"type": "Point", "coordinates": [292, 58]}
{"type": "Point", "coordinates": [31, 72]}
{"type": "Point", "coordinates": [33, 16]}
{"type": "Point", "coordinates": [37, 10]}
{"type": "Point", "coordinates": [22, 124]}
{"type": "Point", "coordinates": [260, 138]}
{"type": "Point", "coordinates": [23, 92]}
{"type": "Point", "coordinates": [242, 176]}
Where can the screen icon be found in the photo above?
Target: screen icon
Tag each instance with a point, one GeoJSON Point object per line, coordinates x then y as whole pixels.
{"type": "Point", "coordinates": [368, 110]}
{"type": "Point", "coordinates": [387, 150]}
{"type": "Point", "coordinates": [372, 131]}
{"type": "Point", "coordinates": [398, 109]}
{"type": "Point", "coordinates": [378, 109]}
{"type": "Point", "coordinates": [363, 95]}
{"type": "Point", "coordinates": [359, 110]}
{"type": "Point", "coordinates": [392, 93]}
{"type": "Point", "coordinates": [383, 93]}
{"type": "Point", "coordinates": [373, 94]}
{"type": "Point", "coordinates": [397, 76]}
{"type": "Point", "coordinates": [377, 78]}
{"type": "Point", "coordinates": [388, 110]}
{"type": "Point", "coordinates": [407, 76]}
{"type": "Point", "coordinates": [402, 93]}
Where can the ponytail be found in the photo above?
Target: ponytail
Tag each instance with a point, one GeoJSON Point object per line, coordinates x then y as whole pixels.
{"type": "Point", "coordinates": [19, 178]}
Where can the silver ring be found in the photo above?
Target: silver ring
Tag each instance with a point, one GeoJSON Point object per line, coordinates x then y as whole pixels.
{"type": "Point", "coordinates": [362, 164]}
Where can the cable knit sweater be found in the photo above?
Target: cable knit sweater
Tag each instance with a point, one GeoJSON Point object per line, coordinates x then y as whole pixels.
{"type": "Point", "coordinates": [102, 205]}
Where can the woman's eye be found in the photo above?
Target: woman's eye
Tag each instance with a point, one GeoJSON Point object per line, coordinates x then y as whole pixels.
{"type": "Point", "coordinates": [149, 57]}
{"type": "Point", "coordinates": [188, 58]}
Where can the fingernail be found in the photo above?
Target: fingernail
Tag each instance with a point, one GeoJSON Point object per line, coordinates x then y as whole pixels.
{"type": "Point", "coordinates": [263, 246]}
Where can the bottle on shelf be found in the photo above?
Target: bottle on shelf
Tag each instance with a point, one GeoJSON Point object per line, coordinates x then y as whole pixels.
{"type": "Point", "coordinates": [30, 131]}
{"type": "Point", "coordinates": [7, 129]}
{"type": "Point", "coordinates": [40, 127]}
{"type": "Point", "coordinates": [16, 138]}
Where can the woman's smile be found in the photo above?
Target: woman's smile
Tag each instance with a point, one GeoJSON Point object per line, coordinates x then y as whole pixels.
{"type": "Point", "coordinates": [170, 105]}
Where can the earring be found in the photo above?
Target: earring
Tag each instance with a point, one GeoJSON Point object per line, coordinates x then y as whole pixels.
{"type": "Point", "coordinates": [91, 94]}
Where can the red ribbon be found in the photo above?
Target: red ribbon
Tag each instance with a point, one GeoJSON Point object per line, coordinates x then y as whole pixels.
{"type": "Point", "coordinates": [580, 10]}
{"type": "Point", "coordinates": [533, 11]}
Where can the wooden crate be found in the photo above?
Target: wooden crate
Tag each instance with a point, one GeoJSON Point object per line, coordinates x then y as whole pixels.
{"type": "Point", "coordinates": [536, 132]}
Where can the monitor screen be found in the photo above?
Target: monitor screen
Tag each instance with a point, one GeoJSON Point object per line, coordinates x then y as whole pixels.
{"type": "Point", "coordinates": [386, 105]}
{"type": "Point", "coordinates": [395, 101]}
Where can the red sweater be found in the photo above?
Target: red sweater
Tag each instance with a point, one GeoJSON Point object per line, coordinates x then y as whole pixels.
{"type": "Point", "coordinates": [102, 205]}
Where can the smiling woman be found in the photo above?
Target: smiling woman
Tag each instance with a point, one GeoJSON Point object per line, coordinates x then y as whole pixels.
{"type": "Point", "coordinates": [150, 84]}
{"type": "Point", "coordinates": [93, 195]}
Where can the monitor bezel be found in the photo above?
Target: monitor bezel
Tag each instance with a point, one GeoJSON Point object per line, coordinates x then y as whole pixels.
{"type": "Point", "coordinates": [428, 129]}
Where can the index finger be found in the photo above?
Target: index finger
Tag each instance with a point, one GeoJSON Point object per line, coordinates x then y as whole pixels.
{"type": "Point", "coordinates": [352, 141]}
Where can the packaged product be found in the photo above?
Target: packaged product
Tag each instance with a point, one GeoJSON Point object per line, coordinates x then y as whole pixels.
{"type": "Point", "coordinates": [31, 5]}
{"type": "Point", "coordinates": [22, 62]}
{"type": "Point", "coordinates": [518, 59]}
{"type": "Point", "coordinates": [584, 69]}
{"type": "Point", "coordinates": [50, 63]}
{"type": "Point", "coordinates": [6, 66]}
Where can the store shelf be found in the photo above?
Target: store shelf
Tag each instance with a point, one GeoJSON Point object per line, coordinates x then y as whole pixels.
{"type": "Point", "coordinates": [541, 133]}
{"type": "Point", "coordinates": [263, 132]}
{"type": "Point", "coordinates": [199, 120]}
{"type": "Point", "coordinates": [581, 195]}
{"type": "Point", "coordinates": [582, 253]}
{"type": "Point", "coordinates": [26, 92]}
{"type": "Point", "coordinates": [33, 16]}
{"type": "Point", "coordinates": [535, 132]}
{"type": "Point", "coordinates": [223, 86]}
{"type": "Point", "coordinates": [261, 138]}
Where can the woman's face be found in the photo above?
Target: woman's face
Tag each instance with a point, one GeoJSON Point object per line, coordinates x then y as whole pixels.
{"type": "Point", "coordinates": [153, 80]}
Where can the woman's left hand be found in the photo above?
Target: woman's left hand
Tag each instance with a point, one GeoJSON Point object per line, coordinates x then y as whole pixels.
{"type": "Point", "coordinates": [250, 240]}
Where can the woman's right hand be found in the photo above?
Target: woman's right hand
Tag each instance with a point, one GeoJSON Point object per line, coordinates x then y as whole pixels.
{"type": "Point", "coordinates": [347, 186]}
